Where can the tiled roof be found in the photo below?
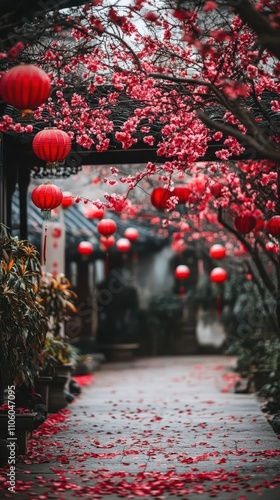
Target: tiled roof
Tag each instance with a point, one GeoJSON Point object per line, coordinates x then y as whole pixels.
{"type": "Point", "coordinates": [80, 228]}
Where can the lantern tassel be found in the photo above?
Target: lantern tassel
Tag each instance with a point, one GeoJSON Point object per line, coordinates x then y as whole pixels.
{"type": "Point", "coordinates": [182, 291]}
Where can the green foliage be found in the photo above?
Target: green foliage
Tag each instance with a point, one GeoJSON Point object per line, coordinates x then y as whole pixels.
{"type": "Point", "coordinates": [166, 305]}
{"type": "Point", "coordinates": [56, 297]}
{"type": "Point", "coordinates": [247, 309]}
{"type": "Point", "coordinates": [256, 353]}
{"type": "Point", "coordinates": [249, 319]}
{"type": "Point", "coordinates": [57, 352]}
{"type": "Point", "coordinates": [23, 325]}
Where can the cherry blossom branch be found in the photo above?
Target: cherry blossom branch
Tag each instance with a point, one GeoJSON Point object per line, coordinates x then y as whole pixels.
{"type": "Point", "coordinates": [194, 82]}
{"type": "Point", "coordinates": [259, 264]}
{"type": "Point", "coordinates": [268, 36]}
{"type": "Point", "coordinates": [250, 141]}
{"type": "Point", "coordinates": [128, 47]}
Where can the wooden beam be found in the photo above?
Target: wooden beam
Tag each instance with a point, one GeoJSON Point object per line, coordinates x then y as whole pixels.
{"type": "Point", "coordinates": [135, 155]}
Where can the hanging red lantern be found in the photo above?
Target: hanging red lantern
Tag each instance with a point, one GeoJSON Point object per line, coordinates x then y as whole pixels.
{"type": "Point", "coordinates": [93, 212]}
{"type": "Point", "coordinates": [85, 248]}
{"type": "Point", "coordinates": [107, 242]}
{"type": "Point", "coordinates": [217, 251]}
{"type": "Point", "coordinates": [273, 226]}
{"type": "Point", "coordinates": [216, 189]}
{"type": "Point", "coordinates": [25, 87]}
{"type": "Point", "coordinates": [106, 227]}
{"type": "Point", "coordinates": [123, 245]}
{"type": "Point", "coordinates": [271, 247]}
{"type": "Point", "coordinates": [52, 145]}
{"type": "Point", "coordinates": [259, 225]}
{"type": "Point", "coordinates": [47, 196]}
{"type": "Point", "coordinates": [218, 275]}
{"type": "Point", "coordinates": [182, 192]}
{"type": "Point", "coordinates": [244, 223]}
{"type": "Point", "coordinates": [67, 200]}
{"type": "Point", "coordinates": [131, 234]}
{"type": "Point", "coordinates": [182, 272]}
{"type": "Point", "coordinates": [160, 197]}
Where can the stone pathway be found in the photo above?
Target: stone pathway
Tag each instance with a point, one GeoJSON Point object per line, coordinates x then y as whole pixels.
{"type": "Point", "coordinates": [167, 427]}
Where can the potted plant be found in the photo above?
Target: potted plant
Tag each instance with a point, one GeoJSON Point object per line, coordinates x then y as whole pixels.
{"type": "Point", "coordinates": [57, 298]}
{"type": "Point", "coordinates": [23, 323]}
{"type": "Point", "coordinates": [59, 360]}
{"type": "Point", "coordinates": [23, 326]}
{"type": "Point", "coordinates": [58, 356]}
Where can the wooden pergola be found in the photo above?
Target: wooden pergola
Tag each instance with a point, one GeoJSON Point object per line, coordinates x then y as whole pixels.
{"type": "Point", "coordinates": [18, 160]}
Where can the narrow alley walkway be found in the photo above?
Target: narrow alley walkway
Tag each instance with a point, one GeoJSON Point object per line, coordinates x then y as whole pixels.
{"type": "Point", "coordinates": [167, 427]}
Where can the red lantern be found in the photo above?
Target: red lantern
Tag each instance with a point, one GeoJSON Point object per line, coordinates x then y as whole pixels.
{"type": "Point", "coordinates": [244, 223]}
{"type": "Point", "coordinates": [182, 272]}
{"type": "Point", "coordinates": [107, 242]}
{"type": "Point", "coordinates": [160, 197]}
{"type": "Point", "coordinates": [51, 145]}
{"type": "Point", "coordinates": [47, 197]}
{"type": "Point", "coordinates": [217, 251]}
{"type": "Point", "coordinates": [106, 227]}
{"type": "Point", "coordinates": [216, 189]}
{"type": "Point", "coordinates": [85, 248]}
{"type": "Point", "coordinates": [93, 212]}
{"type": "Point", "coordinates": [259, 225]}
{"type": "Point", "coordinates": [182, 193]}
{"type": "Point", "coordinates": [218, 275]}
{"type": "Point", "coordinates": [273, 226]}
{"type": "Point", "coordinates": [25, 87]}
{"type": "Point", "coordinates": [123, 245]}
{"type": "Point", "coordinates": [271, 247]}
{"type": "Point", "coordinates": [131, 234]}
{"type": "Point", "coordinates": [67, 200]}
